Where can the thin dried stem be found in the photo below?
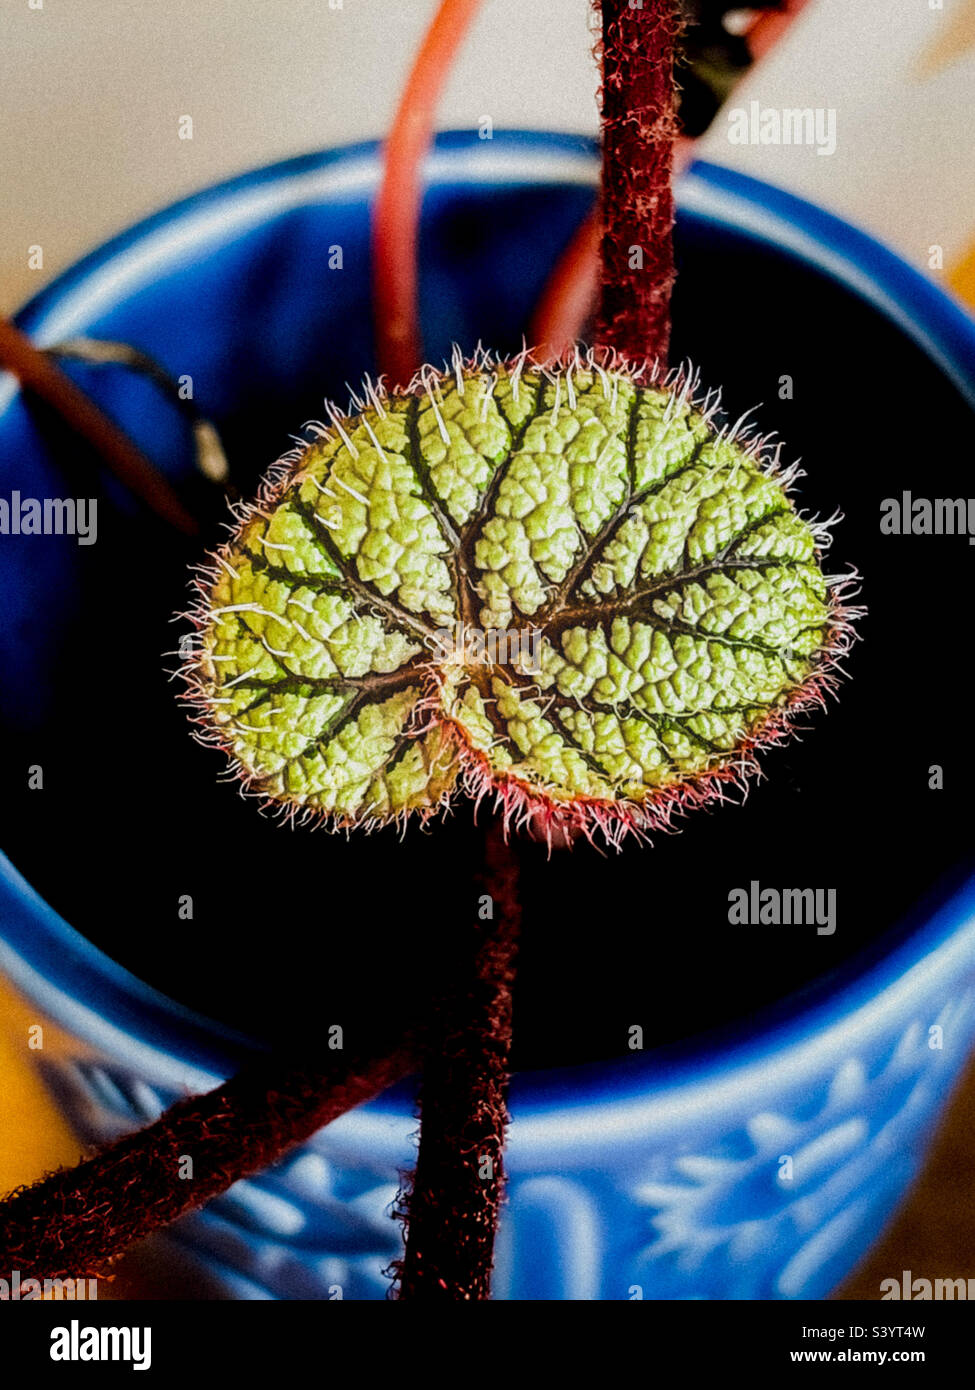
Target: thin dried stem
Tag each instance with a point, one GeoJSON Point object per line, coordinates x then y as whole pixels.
{"type": "Point", "coordinates": [42, 377]}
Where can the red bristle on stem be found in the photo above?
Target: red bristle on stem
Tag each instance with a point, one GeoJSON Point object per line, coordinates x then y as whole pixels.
{"type": "Point", "coordinates": [639, 128]}
{"type": "Point", "coordinates": [450, 1207]}
{"type": "Point", "coordinates": [75, 1222]}
{"type": "Point", "coordinates": [569, 297]}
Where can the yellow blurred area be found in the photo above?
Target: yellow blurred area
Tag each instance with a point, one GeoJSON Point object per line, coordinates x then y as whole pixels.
{"type": "Point", "coordinates": [961, 277]}
{"type": "Point", "coordinates": [34, 1136]}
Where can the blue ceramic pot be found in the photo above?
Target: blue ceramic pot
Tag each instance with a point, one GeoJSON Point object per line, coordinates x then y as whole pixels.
{"type": "Point", "coordinates": [654, 1177]}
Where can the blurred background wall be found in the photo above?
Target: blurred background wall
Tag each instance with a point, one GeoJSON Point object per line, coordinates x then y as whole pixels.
{"type": "Point", "coordinates": [92, 92]}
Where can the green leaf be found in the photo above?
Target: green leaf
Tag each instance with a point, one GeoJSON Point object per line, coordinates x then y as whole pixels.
{"type": "Point", "coordinates": [562, 586]}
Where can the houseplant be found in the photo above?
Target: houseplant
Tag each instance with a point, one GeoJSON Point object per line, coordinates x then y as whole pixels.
{"type": "Point", "coordinates": [699, 336]}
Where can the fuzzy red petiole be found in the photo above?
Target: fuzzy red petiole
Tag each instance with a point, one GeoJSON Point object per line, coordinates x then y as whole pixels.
{"type": "Point", "coordinates": [639, 129]}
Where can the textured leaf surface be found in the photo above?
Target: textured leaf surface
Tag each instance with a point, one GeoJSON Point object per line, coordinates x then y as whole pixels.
{"type": "Point", "coordinates": [659, 601]}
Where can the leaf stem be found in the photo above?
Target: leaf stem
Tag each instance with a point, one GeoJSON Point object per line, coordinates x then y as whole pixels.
{"type": "Point", "coordinates": [75, 1222]}
{"type": "Point", "coordinates": [639, 129]}
{"type": "Point", "coordinates": [450, 1210]}
{"type": "Point", "coordinates": [567, 298]}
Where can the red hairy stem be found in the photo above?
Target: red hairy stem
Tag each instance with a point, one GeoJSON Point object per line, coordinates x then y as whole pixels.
{"type": "Point", "coordinates": [453, 1200]}
{"type": "Point", "coordinates": [75, 1222]}
{"type": "Point", "coordinates": [639, 128]}
{"type": "Point", "coordinates": [43, 378]}
{"type": "Point", "coordinates": [569, 296]}
{"type": "Point", "coordinates": [397, 212]}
